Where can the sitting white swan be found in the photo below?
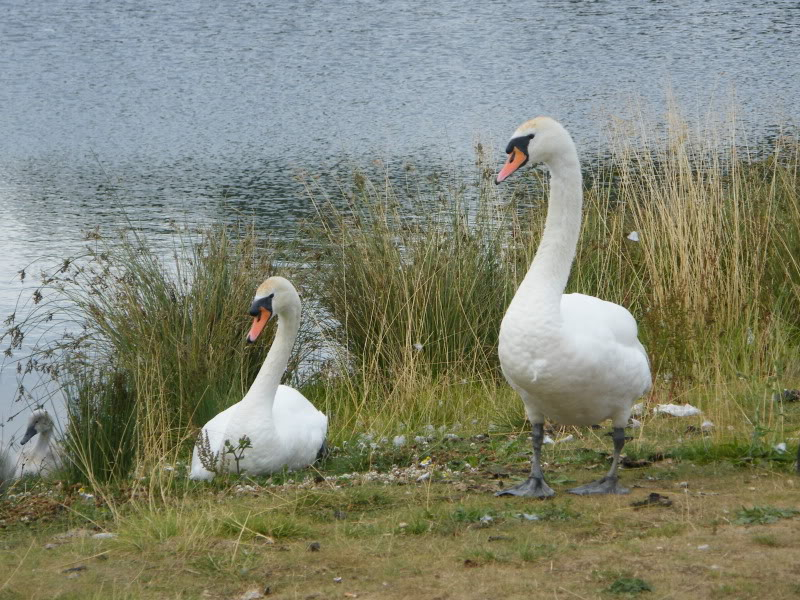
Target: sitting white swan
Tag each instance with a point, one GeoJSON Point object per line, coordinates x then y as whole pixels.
{"type": "Point", "coordinates": [45, 456]}
{"type": "Point", "coordinates": [284, 428]}
{"type": "Point", "coordinates": [572, 358]}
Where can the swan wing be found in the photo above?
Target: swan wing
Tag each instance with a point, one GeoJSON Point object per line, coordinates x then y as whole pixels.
{"type": "Point", "coordinates": [610, 330]}
{"type": "Point", "coordinates": [603, 320]}
{"type": "Point", "coordinates": [300, 426]}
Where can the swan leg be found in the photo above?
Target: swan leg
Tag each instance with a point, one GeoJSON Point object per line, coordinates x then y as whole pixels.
{"type": "Point", "coordinates": [610, 483]}
{"type": "Point", "coordinates": [535, 486]}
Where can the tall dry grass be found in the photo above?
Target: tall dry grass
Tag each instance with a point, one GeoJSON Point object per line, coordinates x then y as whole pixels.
{"type": "Point", "coordinates": [719, 239]}
{"type": "Point", "coordinates": [156, 342]}
{"type": "Point", "coordinates": [418, 275]}
{"type": "Point", "coordinates": [407, 276]}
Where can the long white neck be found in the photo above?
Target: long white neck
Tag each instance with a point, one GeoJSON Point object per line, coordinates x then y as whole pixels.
{"type": "Point", "coordinates": [543, 285]}
{"type": "Point", "coordinates": [43, 443]}
{"type": "Point", "coordinates": [269, 376]}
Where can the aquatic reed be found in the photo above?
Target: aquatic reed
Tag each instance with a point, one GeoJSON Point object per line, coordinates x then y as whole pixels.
{"type": "Point", "coordinates": [406, 277]}
{"type": "Point", "coordinates": [417, 271]}
{"type": "Point", "coordinates": [156, 341]}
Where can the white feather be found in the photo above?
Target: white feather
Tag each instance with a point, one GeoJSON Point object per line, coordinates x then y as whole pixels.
{"type": "Point", "coordinates": [573, 358]}
{"type": "Point", "coordinates": [285, 430]}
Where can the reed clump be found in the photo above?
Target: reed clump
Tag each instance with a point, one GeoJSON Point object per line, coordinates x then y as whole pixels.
{"type": "Point", "coordinates": [406, 277]}
{"type": "Point", "coordinates": [417, 271]}
{"type": "Point", "coordinates": [415, 277]}
{"type": "Point", "coordinates": [718, 240]}
{"type": "Point", "coordinates": [155, 344]}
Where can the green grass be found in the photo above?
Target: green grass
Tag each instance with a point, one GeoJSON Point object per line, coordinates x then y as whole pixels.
{"type": "Point", "coordinates": [405, 280]}
{"type": "Point", "coordinates": [763, 515]}
{"type": "Point", "coordinates": [391, 536]}
{"type": "Point", "coordinates": [629, 586]}
{"type": "Point", "coordinates": [265, 525]}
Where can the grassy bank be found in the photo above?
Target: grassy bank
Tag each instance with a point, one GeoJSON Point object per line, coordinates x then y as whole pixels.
{"type": "Point", "coordinates": [405, 279]}
{"type": "Point", "coordinates": [722, 526]}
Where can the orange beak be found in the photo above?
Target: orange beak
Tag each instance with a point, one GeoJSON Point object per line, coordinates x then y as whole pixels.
{"type": "Point", "coordinates": [258, 324]}
{"type": "Point", "coordinates": [516, 158]}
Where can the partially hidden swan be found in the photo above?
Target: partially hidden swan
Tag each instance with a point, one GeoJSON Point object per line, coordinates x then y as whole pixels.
{"type": "Point", "coordinates": [283, 427]}
{"type": "Point", "coordinates": [574, 359]}
{"type": "Point", "coordinates": [45, 455]}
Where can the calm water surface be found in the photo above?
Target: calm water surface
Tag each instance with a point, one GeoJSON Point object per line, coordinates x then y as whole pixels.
{"type": "Point", "coordinates": [193, 110]}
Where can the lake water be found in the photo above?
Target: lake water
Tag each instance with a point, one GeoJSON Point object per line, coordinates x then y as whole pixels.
{"type": "Point", "coordinates": [194, 110]}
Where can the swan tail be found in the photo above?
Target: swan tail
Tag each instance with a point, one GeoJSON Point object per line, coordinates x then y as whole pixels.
{"type": "Point", "coordinates": [324, 451]}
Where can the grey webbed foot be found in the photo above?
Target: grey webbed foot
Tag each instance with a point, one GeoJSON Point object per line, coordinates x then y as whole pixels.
{"type": "Point", "coordinates": [606, 485]}
{"type": "Point", "coordinates": [533, 487]}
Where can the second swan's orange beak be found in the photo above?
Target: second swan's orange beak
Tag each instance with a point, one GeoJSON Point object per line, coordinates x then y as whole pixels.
{"type": "Point", "coordinates": [516, 158]}
{"type": "Point", "coordinates": [258, 324]}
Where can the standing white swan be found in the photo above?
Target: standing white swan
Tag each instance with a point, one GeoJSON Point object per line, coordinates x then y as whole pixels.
{"type": "Point", "coordinates": [572, 358]}
{"type": "Point", "coordinates": [284, 428]}
{"type": "Point", "coordinates": [45, 456]}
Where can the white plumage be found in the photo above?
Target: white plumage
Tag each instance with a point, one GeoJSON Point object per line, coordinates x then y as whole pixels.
{"type": "Point", "coordinates": [574, 359]}
{"type": "Point", "coordinates": [44, 456]}
{"type": "Point", "coordinates": [284, 429]}
{"type": "Point", "coordinates": [592, 369]}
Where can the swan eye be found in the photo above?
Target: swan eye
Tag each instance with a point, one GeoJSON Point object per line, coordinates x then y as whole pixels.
{"type": "Point", "coordinates": [530, 137]}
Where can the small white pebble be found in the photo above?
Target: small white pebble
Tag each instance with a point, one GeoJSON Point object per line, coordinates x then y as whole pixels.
{"type": "Point", "coordinates": [683, 484]}
{"type": "Point", "coordinates": [337, 580]}
{"type": "Point", "coordinates": [780, 447]}
{"type": "Point", "coordinates": [424, 477]}
{"type": "Point", "coordinates": [418, 347]}
{"type": "Point", "coordinates": [715, 567]}
{"type": "Point", "coordinates": [634, 423]}
{"type": "Point", "coordinates": [707, 426]}
{"type": "Point", "coordinates": [633, 236]}
{"type": "Point", "coordinates": [548, 440]}
{"type": "Point", "coordinates": [528, 516]}
{"type": "Point", "coordinates": [105, 535]}
{"type": "Point", "coordinates": [703, 547]}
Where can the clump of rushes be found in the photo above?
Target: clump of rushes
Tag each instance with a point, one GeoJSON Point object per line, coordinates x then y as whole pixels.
{"type": "Point", "coordinates": [416, 274]}
{"type": "Point", "coordinates": [154, 332]}
{"type": "Point", "coordinates": [411, 274]}
{"type": "Point", "coordinates": [717, 251]}
{"type": "Point", "coordinates": [417, 278]}
{"type": "Point", "coordinates": [417, 271]}
{"type": "Point", "coordinates": [100, 439]}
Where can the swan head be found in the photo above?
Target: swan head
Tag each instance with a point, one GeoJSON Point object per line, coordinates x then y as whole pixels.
{"type": "Point", "coordinates": [540, 140]}
{"type": "Point", "coordinates": [276, 296]}
{"type": "Point", "coordinates": [39, 422]}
